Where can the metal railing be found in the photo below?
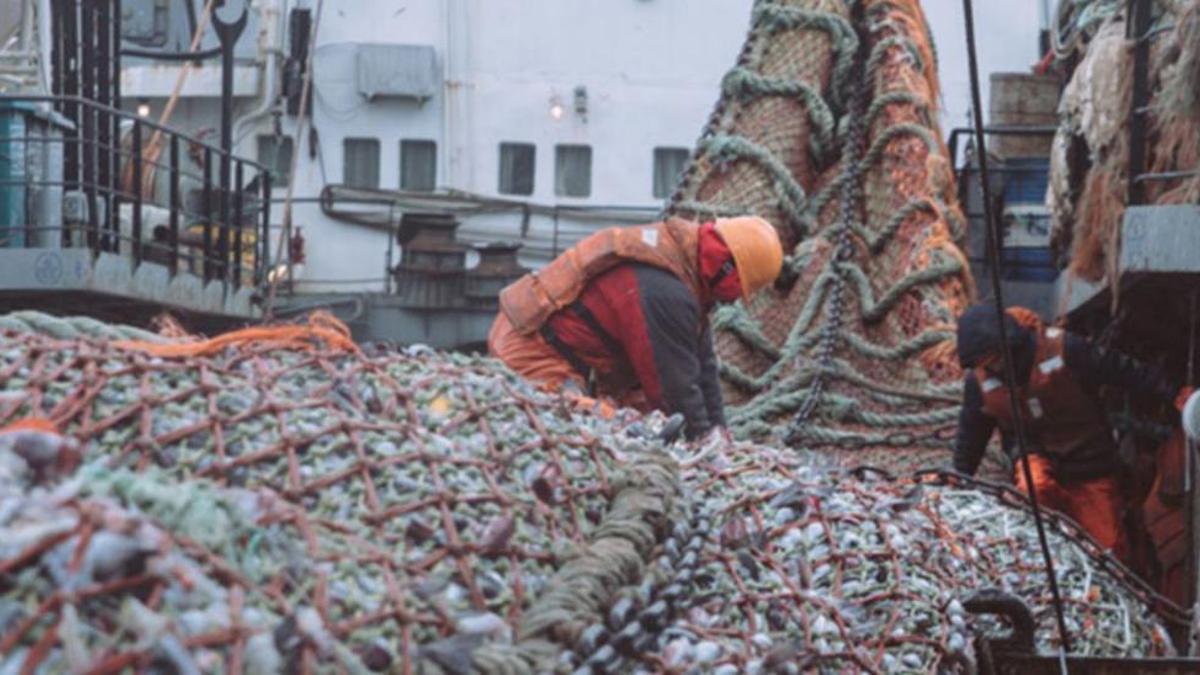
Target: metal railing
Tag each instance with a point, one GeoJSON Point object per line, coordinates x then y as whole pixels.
{"type": "Point", "coordinates": [1015, 266]}
{"type": "Point", "coordinates": [1140, 31]}
{"type": "Point", "coordinates": [150, 193]}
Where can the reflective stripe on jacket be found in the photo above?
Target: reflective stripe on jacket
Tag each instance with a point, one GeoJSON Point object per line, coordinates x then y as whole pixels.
{"type": "Point", "coordinates": [1061, 417]}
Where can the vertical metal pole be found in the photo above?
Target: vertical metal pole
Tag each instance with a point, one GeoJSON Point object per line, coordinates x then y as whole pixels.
{"type": "Point", "coordinates": [115, 78]}
{"type": "Point", "coordinates": [104, 52]}
{"type": "Point", "coordinates": [173, 235]}
{"type": "Point", "coordinates": [136, 238]}
{"type": "Point", "coordinates": [87, 44]}
{"type": "Point", "coordinates": [57, 53]}
{"type": "Point", "coordinates": [262, 252]}
{"type": "Point", "coordinates": [91, 118]}
{"type": "Point", "coordinates": [221, 260]}
{"type": "Point", "coordinates": [228, 34]}
{"type": "Point", "coordinates": [108, 240]}
{"type": "Point", "coordinates": [1137, 115]}
{"type": "Point", "coordinates": [104, 143]}
{"type": "Point", "coordinates": [1189, 464]}
{"type": "Point", "coordinates": [70, 87]}
{"type": "Point", "coordinates": [238, 195]}
{"type": "Point", "coordinates": [226, 212]}
{"type": "Point", "coordinates": [86, 120]}
{"type": "Point", "coordinates": [391, 252]}
{"type": "Point", "coordinates": [208, 213]}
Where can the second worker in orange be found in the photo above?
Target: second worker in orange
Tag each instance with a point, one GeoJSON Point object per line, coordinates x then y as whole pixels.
{"type": "Point", "coordinates": [1073, 456]}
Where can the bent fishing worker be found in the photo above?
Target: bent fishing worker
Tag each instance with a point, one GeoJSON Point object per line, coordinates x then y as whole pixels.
{"type": "Point", "coordinates": [624, 314]}
{"type": "Point", "coordinates": [1073, 456]}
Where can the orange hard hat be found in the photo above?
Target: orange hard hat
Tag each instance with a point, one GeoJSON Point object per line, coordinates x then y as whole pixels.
{"type": "Point", "coordinates": [756, 250]}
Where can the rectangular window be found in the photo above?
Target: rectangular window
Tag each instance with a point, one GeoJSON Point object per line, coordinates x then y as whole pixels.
{"type": "Point", "coordinates": [418, 165]}
{"type": "Point", "coordinates": [360, 162]}
{"type": "Point", "coordinates": [669, 164]}
{"type": "Point", "coordinates": [516, 168]}
{"type": "Point", "coordinates": [573, 170]}
{"type": "Point", "coordinates": [275, 153]}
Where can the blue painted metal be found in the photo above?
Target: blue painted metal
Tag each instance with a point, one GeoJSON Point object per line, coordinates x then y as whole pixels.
{"type": "Point", "coordinates": [1026, 181]}
{"type": "Point", "coordinates": [1028, 264]}
{"type": "Point", "coordinates": [29, 135]}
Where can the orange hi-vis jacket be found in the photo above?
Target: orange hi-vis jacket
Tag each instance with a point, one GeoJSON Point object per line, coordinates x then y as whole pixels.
{"type": "Point", "coordinates": [670, 245]}
{"type": "Point", "coordinates": [1164, 514]}
{"type": "Point", "coordinates": [1060, 416]}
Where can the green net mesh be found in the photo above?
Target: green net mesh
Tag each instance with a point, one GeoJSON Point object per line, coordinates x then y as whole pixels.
{"type": "Point", "coordinates": [777, 146]}
{"type": "Point", "coordinates": [310, 508]}
{"type": "Point", "coordinates": [304, 506]}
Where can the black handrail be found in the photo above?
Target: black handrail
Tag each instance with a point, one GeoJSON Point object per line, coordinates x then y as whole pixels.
{"type": "Point", "coordinates": [998, 130]}
{"type": "Point", "coordinates": [107, 173]}
{"type": "Point", "coordinates": [1138, 12]}
{"type": "Point", "coordinates": [124, 114]}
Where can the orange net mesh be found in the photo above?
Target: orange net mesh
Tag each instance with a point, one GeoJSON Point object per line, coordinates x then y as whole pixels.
{"type": "Point", "coordinates": [322, 330]}
{"type": "Point", "coordinates": [362, 505]}
{"type": "Point", "coordinates": [881, 348]}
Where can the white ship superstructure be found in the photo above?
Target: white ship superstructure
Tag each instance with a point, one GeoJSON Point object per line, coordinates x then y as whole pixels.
{"type": "Point", "coordinates": [527, 123]}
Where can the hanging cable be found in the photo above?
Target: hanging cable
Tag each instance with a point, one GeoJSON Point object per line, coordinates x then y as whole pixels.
{"type": "Point", "coordinates": [1010, 374]}
{"type": "Point", "coordinates": [1189, 449]}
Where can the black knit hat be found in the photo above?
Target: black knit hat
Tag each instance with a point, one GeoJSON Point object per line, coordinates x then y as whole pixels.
{"type": "Point", "coordinates": [979, 334]}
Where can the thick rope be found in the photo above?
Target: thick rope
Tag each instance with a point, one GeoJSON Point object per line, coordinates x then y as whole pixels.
{"type": "Point", "coordinates": [744, 83]}
{"type": "Point", "coordinates": [323, 329]}
{"type": "Point", "coordinates": [727, 149]}
{"type": "Point", "coordinates": [74, 328]}
{"type": "Point", "coordinates": [786, 366]}
{"type": "Point", "coordinates": [772, 17]}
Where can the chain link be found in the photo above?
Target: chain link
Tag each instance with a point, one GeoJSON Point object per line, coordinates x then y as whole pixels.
{"type": "Point", "coordinates": [851, 196]}
{"type": "Point", "coordinates": [634, 623]}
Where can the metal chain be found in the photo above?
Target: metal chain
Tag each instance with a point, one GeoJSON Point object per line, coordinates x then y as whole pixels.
{"type": "Point", "coordinates": [851, 197]}
{"type": "Point", "coordinates": [635, 622]}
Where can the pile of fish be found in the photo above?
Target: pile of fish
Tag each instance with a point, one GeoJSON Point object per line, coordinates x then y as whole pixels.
{"type": "Point", "coordinates": [426, 495]}
{"type": "Point", "coordinates": [858, 571]}
{"type": "Point", "coordinates": [310, 509]}
{"type": "Point", "coordinates": [115, 569]}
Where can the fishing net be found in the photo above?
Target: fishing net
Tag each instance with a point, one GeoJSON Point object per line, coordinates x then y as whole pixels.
{"type": "Point", "coordinates": [827, 127]}
{"type": "Point", "coordinates": [93, 584]}
{"type": "Point", "coordinates": [860, 572]}
{"type": "Point", "coordinates": [1089, 170]}
{"type": "Point", "coordinates": [302, 505]}
{"type": "Point", "coordinates": [428, 492]}
{"type": "Point", "coordinates": [280, 499]}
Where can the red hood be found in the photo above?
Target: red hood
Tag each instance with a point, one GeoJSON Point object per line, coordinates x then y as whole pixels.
{"type": "Point", "coordinates": [712, 255]}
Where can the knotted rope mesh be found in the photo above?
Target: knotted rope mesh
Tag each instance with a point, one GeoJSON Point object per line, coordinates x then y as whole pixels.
{"type": "Point", "coordinates": [425, 493]}
{"type": "Point", "coordinates": [301, 506]}
{"type": "Point", "coordinates": [865, 333]}
{"type": "Point", "coordinates": [860, 572]}
{"type": "Point", "coordinates": [282, 500]}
